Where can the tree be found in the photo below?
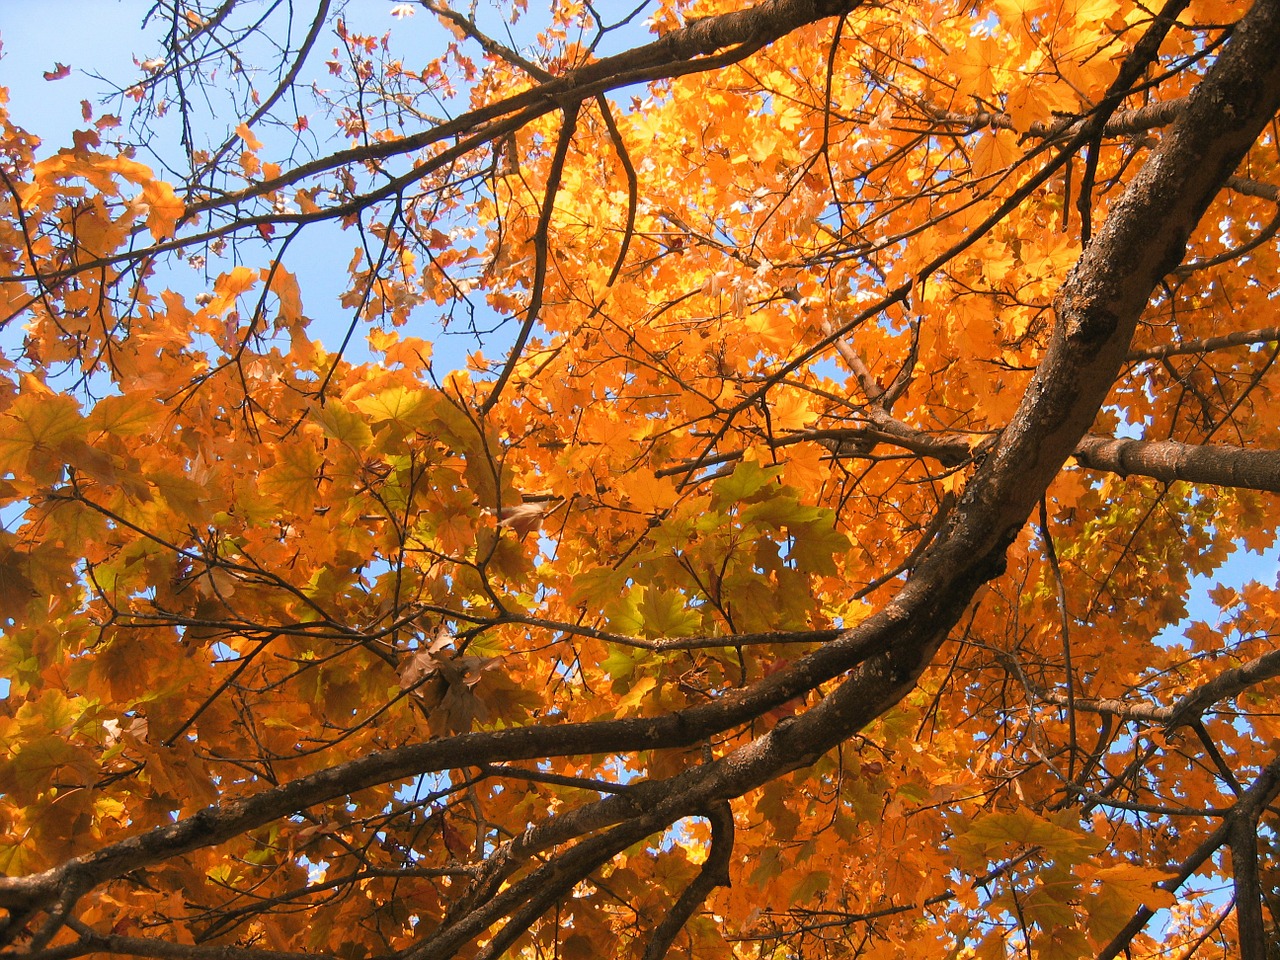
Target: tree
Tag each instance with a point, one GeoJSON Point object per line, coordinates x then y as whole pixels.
{"type": "Point", "coordinates": [790, 572]}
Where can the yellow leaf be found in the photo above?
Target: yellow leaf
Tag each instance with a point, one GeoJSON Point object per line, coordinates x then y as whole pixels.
{"type": "Point", "coordinates": [16, 588]}
{"type": "Point", "coordinates": [285, 286]}
{"type": "Point", "coordinates": [648, 493]}
{"type": "Point", "coordinates": [130, 415]}
{"type": "Point", "coordinates": [1135, 885]}
{"type": "Point", "coordinates": [792, 411]}
{"type": "Point", "coordinates": [997, 151]}
{"type": "Point", "coordinates": [394, 404]}
{"type": "Point", "coordinates": [340, 422]}
{"type": "Point", "coordinates": [637, 693]}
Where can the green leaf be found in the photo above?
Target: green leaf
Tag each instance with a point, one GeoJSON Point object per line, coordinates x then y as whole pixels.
{"type": "Point", "coordinates": [813, 884]}
{"type": "Point", "coordinates": [747, 479]}
{"type": "Point", "coordinates": [815, 546]}
{"type": "Point", "coordinates": [621, 662]}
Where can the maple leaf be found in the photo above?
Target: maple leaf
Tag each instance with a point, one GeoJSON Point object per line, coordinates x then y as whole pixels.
{"type": "Point", "coordinates": [244, 132]}
{"type": "Point", "coordinates": [164, 209]}
{"type": "Point", "coordinates": [36, 424]}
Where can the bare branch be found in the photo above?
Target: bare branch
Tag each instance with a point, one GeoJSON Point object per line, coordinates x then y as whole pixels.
{"type": "Point", "coordinates": [1168, 460]}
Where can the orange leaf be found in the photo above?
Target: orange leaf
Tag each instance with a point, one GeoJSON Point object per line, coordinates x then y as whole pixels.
{"type": "Point", "coordinates": [164, 209]}
{"type": "Point", "coordinates": [247, 135]}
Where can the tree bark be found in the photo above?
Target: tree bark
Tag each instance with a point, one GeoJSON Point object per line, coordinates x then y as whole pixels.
{"type": "Point", "coordinates": [1168, 460]}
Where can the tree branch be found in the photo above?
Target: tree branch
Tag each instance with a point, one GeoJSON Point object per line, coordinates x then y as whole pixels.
{"type": "Point", "coordinates": [1240, 338]}
{"type": "Point", "coordinates": [1167, 460]}
{"type": "Point", "coordinates": [1192, 706]}
{"type": "Point", "coordinates": [1248, 808]}
{"type": "Point", "coordinates": [713, 873]}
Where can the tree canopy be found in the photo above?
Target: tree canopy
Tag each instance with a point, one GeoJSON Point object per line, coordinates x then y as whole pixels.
{"type": "Point", "coordinates": [744, 502]}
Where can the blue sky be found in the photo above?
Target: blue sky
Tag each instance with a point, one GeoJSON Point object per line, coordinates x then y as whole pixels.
{"type": "Point", "coordinates": [105, 38]}
{"type": "Point", "coordinates": [99, 40]}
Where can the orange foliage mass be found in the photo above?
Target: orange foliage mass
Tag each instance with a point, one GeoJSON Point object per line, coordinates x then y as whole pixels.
{"type": "Point", "coordinates": [752, 591]}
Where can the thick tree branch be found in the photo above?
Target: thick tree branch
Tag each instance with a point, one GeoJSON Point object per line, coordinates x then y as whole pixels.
{"type": "Point", "coordinates": [1251, 935]}
{"type": "Point", "coordinates": [1143, 238]}
{"type": "Point", "coordinates": [1122, 123]}
{"type": "Point", "coordinates": [1211, 464]}
{"type": "Point", "coordinates": [1168, 460]}
{"type": "Point", "coordinates": [90, 941]}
